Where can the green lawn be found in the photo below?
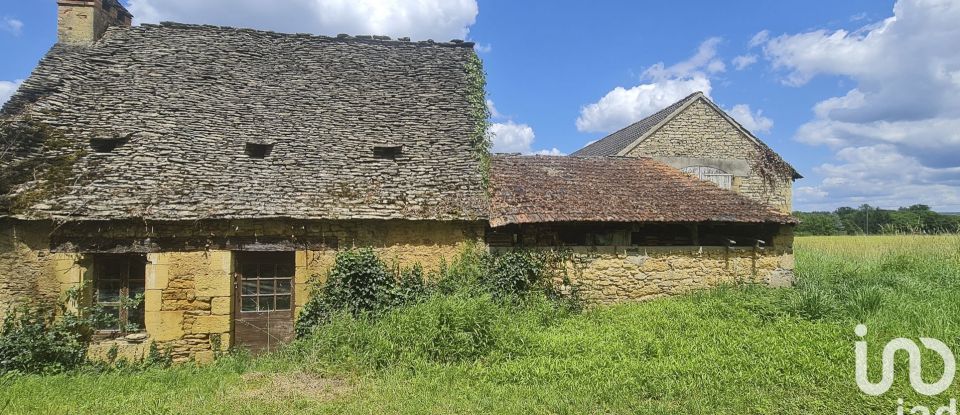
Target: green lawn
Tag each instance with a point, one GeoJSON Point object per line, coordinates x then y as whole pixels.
{"type": "Point", "coordinates": [729, 350]}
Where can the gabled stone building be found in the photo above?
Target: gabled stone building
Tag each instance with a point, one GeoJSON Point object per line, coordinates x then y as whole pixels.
{"type": "Point", "coordinates": [216, 170]}
{"type": "Point", "coordinates": [698, 137]}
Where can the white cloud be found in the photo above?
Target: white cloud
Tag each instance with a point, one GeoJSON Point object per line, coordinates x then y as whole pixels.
{"type": "Point", "coordinates": [744, 61]}
{"type": "Point", "coordinates": [551, 152]}
{"type": "Point", "coordinates": [510, 137]}
{"type": "Point", "coordinates": [880, 176]}
{"type": "Point", "coordinates": [487, 48]}
{"type": "Point", "coordinates": [704, 59]}
{"type": "Point", "coordinates": [753, 121]}
{"type": "Point", "coordinates": [905, 106]}
{"type": "Point", "coordinates": [440, 20]}
{"type": "Point", "coordinates": [758, 39]}
{"type": "Point", "coordinates": [11, 25]}
{"type": "Point", "coordinates": [493, 110]}
{"type": "Point", "coordinates": [622, 106]}
{"type": "Point", "coordinates": [667, 84]}
{"type": "Point", "coordinates": [7, 89]}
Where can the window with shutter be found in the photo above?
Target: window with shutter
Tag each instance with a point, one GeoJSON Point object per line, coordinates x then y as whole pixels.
{"type": "Point", "coordinates": [711, 174]}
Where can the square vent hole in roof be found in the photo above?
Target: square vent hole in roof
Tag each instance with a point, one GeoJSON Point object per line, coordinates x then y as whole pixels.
{"type": "Point", "coordinates": [387, 151]}
{"type": "Point", "coordinates": [107, 144]}
{"type": "Point", "coordinates": [258, 150]}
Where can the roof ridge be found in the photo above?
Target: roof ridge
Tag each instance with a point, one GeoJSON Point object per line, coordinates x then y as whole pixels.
{"type": "Point", "coordinates": [340, 37]}
{"type": "Point", "coordinates": [655, 114]}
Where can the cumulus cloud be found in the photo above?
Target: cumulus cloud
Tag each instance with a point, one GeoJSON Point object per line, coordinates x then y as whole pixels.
{"type": "Point", "coordinates": [666, 85]}
{"type": "Point", "coordinates": [759, 39]}
{"type": "Point", "coordinates": [7, 89]}
{"type": "Point", "coordinates": [705, 60]}
{"type": "Point", "coordinates": [11, 25]}
{"type": "Point", "coordinates": [744, 61]}
{"type": "Point", "coordinates": [906, 103]}
{"type": "Point", "coordinates": [881, 176]}
{"type": "Point", "coordinates": [511, 137]}
{"type": "Point", "coordinates": [440, 20]}
{"type": "Point", "coordinates": [753, 121]}
{"type": "Point", "coordinates": [623, 106]}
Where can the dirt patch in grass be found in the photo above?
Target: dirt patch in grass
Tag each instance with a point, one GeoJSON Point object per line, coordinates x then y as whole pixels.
{"type": "Point", "coordinates": [278, 387]}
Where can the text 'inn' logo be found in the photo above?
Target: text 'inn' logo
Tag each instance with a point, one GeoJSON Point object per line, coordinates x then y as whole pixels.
{"type": "Point", "coordinates": [913, 351]}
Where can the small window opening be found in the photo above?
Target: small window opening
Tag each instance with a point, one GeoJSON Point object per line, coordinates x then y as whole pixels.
{"type": "Point", "coordinates": [259, 150]}
{"type": "Point", "coordinates": [710, 174]}
{"type": "Point", "coordinates": [387, 151]}
{"type": "Point", "coordinates": [105, 145]}
{"type": "Point", "coordinates": [119, 292]}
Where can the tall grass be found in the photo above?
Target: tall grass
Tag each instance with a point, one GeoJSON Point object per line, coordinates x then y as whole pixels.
{"type": "Point", "coordinates": [728, 350]}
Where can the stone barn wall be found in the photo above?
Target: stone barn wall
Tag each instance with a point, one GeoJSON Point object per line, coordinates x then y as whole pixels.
{"type": "Point", "coordinates": [188, 292]}
{"type": "Point", "coordinates": [617, 272]}
{"type": "Point", "coordinates": [700, 132]}
{"type": "Point", "coordinates": [28, 271]}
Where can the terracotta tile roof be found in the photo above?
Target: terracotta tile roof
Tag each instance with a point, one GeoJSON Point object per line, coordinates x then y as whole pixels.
{"type": "Point", "coordinates": [192, 101]}
{"type": "Point", "coordinates": [533, 189]}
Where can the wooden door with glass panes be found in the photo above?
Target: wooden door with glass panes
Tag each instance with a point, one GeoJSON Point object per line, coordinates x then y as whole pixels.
{"type": "Point", "coordinates": [263, 316]}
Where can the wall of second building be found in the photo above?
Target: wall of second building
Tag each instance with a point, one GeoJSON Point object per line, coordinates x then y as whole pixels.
{"type": "Point", "coordinates": [616, 271]}
{"type": "Point", "coordinates": [700, 132]}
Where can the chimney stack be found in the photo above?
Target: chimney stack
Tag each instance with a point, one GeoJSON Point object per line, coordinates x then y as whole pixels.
{"type": "Point", "coordinates": [82, 22]}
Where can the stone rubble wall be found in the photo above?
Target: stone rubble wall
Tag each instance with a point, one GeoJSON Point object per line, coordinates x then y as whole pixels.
{"type": "Point", "coordinates": [28, 271]}
{"type": "Point", "coordinates": [609, 276]}
{"type": "Point", "coordinates": [700, 132]}
{"type": "Point", "coordinates": [188, 298]}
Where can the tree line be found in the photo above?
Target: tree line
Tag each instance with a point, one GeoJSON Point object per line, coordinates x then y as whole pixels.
{"type": "Point", "coordinates": [869, 220]}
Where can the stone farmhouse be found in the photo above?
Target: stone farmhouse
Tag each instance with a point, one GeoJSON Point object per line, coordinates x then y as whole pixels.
{"type": "Point", "coordinates": [217, 170]}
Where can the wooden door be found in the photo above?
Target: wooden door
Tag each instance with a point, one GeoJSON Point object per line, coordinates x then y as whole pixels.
{"type": "Point", "coordinates": [263, 320]}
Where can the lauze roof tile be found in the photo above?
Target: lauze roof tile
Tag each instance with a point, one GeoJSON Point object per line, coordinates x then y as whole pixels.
{"type": "Point", "coordinates": [188, 99]}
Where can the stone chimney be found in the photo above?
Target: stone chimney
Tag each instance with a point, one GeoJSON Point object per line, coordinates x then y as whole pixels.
{"type": "Point", "coordinates": [81, 22]}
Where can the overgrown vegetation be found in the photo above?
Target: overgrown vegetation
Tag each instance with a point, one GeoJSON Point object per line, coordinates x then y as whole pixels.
{"type": "Point", "coordinates": [360, 285]}
{"type": "Point", "coordinates": [477, 97]}
{"type": "Point", "coordinates": [916, 219]}
{"type": "Point", "coordinates": [730, 350]}
{"type": "Point", "coordinates": [40, 339]}
{"type": "Point", "coordinates": [36, 163]}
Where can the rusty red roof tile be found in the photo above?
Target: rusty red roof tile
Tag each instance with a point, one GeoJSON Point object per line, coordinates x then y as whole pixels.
{"type": "Point", "coordinates": [536, 189]}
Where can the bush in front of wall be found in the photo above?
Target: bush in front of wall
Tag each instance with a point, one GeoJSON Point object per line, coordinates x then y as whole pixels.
{"type": "Point", "coordinates": [33, 340]}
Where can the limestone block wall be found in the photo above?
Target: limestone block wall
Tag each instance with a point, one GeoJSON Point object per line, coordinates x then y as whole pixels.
{"type": "Point", "coordinates": [607, 276]}
{"type": "Point", "coordinates": [700, 132]}
{"type": "Point", "coordinates": [188, 299]}
{"type": "Point", "coordinates": [28, 271]}
{"type": "Point", "coordinates": [188, 302]}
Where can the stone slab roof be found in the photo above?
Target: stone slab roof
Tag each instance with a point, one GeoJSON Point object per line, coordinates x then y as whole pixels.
{"type": "Point", "coordinates": [538, 189]}
{"type": "Point", "coordinates": [184, 106]}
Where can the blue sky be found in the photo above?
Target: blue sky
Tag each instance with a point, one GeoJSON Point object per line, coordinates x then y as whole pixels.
{"type": "Point", "coordinates": [860, 96]}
